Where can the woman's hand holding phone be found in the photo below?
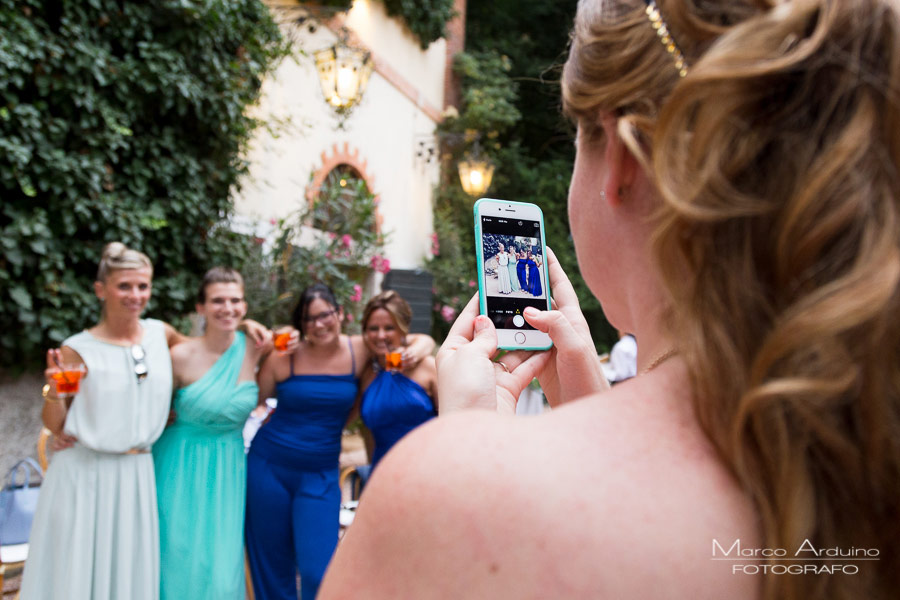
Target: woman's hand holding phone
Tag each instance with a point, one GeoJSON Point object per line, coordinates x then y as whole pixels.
{"type": "Point", "coordinates": [573, 367]}
{"type": "Point", "coordinates": [468, 378]}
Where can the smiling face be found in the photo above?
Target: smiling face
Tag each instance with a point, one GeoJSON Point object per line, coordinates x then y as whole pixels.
{"type": "Point", "coordinates": [322, 322]}
{"type": "Point", "coordinates": [224, 307]}
{"type": "Point", "coordinates": [381, 332]}
{"type": "Point", "coordinates": [125, 292]}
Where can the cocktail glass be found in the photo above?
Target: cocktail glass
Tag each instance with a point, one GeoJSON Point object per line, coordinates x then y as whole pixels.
{"type": "Point", "coordinates": [68, 379]}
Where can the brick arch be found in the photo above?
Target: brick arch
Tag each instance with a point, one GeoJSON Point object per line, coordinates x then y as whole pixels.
{"type": "Point", "coordinates": [338, 157]}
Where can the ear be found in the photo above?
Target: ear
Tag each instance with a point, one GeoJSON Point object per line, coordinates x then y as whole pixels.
{"type": "Point", "coordinates": [201, 309]}
{"type": "Point", "coordinates": [622, 166]}
{"type": "Point", "coordinates": [100, 290]}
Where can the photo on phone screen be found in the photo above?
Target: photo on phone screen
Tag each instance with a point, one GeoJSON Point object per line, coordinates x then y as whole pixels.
{"type": "Point", "coordinates": [513, 270]}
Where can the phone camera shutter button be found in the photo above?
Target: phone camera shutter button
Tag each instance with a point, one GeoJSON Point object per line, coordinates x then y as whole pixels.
{"type": "Point", "coordinates": [520, 338]}
{"type": "Point", "coordinates": [518, 320]}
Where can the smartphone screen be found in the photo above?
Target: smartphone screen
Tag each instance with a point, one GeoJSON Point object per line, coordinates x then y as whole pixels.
{"type": "Point", "coordinates": [513, 269]}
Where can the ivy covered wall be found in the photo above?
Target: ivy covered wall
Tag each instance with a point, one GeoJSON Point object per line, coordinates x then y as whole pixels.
{"type": "Point", "coordinates": [119, 120]}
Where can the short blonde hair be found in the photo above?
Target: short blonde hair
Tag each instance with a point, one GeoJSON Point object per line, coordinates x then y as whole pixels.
{"type": "Point", "coordinates": [118, 256]}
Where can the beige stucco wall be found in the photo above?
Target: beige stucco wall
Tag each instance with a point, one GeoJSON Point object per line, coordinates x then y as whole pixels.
{"type": "Point", "coordinates": [384, 131]}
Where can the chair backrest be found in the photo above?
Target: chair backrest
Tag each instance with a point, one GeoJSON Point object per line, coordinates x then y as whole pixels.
{"type": "Point", "coordinates": [43, 438]}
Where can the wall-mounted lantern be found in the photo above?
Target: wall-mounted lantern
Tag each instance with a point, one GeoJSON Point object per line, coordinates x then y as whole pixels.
{"type": "Point", "coordinates": [475, 174]}
{"type": "Point", "coordinates": [343, 73]}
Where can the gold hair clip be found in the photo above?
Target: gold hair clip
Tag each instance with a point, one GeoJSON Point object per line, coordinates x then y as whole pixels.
{"type": "Point", "coordinates": [656, 20]}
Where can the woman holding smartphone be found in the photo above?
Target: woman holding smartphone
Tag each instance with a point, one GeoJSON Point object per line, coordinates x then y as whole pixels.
{"type": "Point", "coordinates": [293, 499]}
{"type": "Point", "coordinates": [742, 160]}
{"type": "Point", "coordinates": [393, 402]}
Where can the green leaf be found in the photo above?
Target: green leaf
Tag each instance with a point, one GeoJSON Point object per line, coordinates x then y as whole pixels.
{"type": "Point", "coordinates": [21, 297]}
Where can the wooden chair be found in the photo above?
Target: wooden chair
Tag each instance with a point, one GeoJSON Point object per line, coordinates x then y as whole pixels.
{"type": "Point", "coordinates": [13, 556]}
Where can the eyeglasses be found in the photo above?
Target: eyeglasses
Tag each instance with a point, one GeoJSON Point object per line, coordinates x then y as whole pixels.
{"type": "Point", "coordinates": [140, 366]}
{"type": "Point", "coordinates": [321, 317]}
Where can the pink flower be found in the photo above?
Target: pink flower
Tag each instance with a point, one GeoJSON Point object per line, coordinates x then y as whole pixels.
{"type": "Point", "coordinates": [349, 317]}
{"type": "Point", "coordinates": [380, 264]}
{"type": "Point", "coordinates": [472, 283]}
{"type": "Point", "coordinates": [273, 222]}
{"type": "Point", "coordinates": [435, 245]}
{"type": "Point", "coordinates": [448, 313]}
{"type": "Point", "coordinates": [455, 300]}
{"type": "Point", "coordinates": [328, 254]}
{"type": "Point", "coordinates": [331, 235]}
{"type": "Point", "coordinates": [357, 293]}
{"type": "Point", "coordinates": [346, 240]}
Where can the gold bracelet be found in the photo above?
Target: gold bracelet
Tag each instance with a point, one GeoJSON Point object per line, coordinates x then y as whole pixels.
{"type": "Point", "coordinates": [45, 392]}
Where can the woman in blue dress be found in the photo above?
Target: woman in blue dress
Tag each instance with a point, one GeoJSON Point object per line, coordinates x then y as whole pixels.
{"type": "Point", "coordinates": [393, 402]}
{"type": "Point", "coordinates": [534, 276]}
{"type": "Point", "coordinates": [199, 460]}
{"type": "Point", "coordinates": [521, 266]}
{"type": "Point", "coordinates": [293, 498]}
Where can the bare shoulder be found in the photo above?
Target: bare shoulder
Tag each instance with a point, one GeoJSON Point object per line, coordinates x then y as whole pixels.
{"type": "Point", "coordinates": [185, 350]}
{"type": "Point", "coordinates": [617, 495]}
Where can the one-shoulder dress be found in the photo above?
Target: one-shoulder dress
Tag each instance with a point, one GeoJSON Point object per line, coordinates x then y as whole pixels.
{"type": "Point", "coordinates": [201, 481]}
{"type": "Point", "coordinates": [513, 277]}
{"type": "Point", "coordinates": [95, 534]}
{"type": "Point", "coordinates": [392, 406]}
{"type": "Point", "coordinates": [293, 497]}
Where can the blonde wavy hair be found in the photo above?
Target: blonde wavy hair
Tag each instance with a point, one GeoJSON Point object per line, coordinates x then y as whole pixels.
{"type": "Point", "coordinates": [777, 161]}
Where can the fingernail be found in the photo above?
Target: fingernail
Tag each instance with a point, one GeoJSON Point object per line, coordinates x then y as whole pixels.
{"type": "Point", "coordinates": [531, 311]}
{"type": "Point", "coordinates": [481, 323]}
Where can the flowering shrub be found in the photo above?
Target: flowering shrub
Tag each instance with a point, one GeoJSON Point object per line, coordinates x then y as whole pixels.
{"type": "Point", "coordinates": [340, 251]}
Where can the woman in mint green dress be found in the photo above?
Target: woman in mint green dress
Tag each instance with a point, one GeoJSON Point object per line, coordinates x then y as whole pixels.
{"type": "Point", "coordinates": [199, 459]}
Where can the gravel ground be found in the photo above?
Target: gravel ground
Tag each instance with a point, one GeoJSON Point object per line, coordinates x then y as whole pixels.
{"type": "Point", "coordinates": [20, 418]}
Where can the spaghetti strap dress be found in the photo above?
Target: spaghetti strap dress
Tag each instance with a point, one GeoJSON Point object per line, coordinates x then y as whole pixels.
{"type": "Point", "coordinates": [201, 479]}
{"type": "Point", "coordinates": [95, 534]}
{"type": "Point", "coordinates": [293, 497]}
{"type": "Point", "coordinates": [521, 275]}
{"type": "Point", "coordinates": [392, 406]}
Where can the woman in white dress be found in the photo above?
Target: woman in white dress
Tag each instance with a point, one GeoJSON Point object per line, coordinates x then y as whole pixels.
{"type": "Point", "coordinates": [95, 533]}
{"type": "Point", "coordinates": [503, 272]}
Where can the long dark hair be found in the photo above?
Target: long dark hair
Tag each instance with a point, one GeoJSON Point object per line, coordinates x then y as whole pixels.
{"type": "Point", "coordinates": [315, 291]}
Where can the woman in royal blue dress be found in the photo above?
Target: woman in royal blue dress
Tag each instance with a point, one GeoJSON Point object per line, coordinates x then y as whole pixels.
{"type": "Point", "coordinates": [534, 276]}
{"type": "Point", "coordinates": [521, 266]}
{"type": "Point", "coordinates": [293, 498]}
{"type": "Point", "coordinates": [394, 402]}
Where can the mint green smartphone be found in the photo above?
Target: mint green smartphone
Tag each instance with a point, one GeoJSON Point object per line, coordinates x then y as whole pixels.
{"type": "Point", "coordinates": [512, 270]}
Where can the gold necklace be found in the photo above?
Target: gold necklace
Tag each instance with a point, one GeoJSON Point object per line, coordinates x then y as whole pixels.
{"type": "Point", "coordinates": [659, 360]}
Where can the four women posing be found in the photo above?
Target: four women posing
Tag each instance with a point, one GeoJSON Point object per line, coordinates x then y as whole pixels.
{"type": "Point", "coordinates": [106, 522]}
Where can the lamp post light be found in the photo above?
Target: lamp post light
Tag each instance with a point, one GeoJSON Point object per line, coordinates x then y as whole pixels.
{"type": "Point", "coordinates": [343, 74]}
{"type": "Point", "coordinates": [475, 174]}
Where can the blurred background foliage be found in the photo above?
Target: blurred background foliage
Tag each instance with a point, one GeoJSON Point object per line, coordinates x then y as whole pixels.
{"type": "Point", "coordinates": [511, 108]}
{"type": "Point", "coordinates": [120, 120]}
{"type": "Point", "coordinates": [334, 241]}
